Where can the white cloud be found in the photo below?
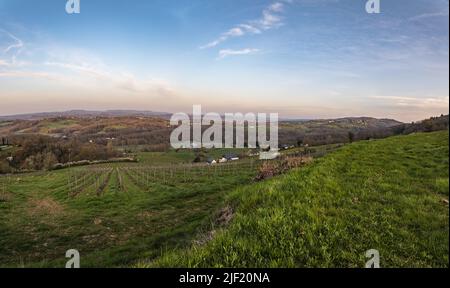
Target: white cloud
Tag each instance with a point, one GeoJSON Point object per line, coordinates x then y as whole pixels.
{"type": "Point", "coordinates": [425, 103]}
{"type": "Point", "coordinates": [250, 28]}
{"type": "Point", "coordinates": [235, 32]}
{"type": "Point", "coordinates": [13, 47]}
{"type": "Point", "coordinates": [81, 70]}
{"type": "Point", "coordinates": [32, 75]}
{"type": "Point", "coordinates": [276, 7]}
{"type": "Point", "coordinates": [429, 15]}
{"type": "Point", "coordinates": [17, 45]}
{"type": "Point", "coordinates": [271, 18]}
{"type": "Point", "coordinates": [121, 80]}
{"type": "Point", "coordinates": [228, 52]}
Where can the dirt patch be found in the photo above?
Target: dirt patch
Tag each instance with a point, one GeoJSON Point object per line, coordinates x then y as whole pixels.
{"type": "Point", "coordinates": [45, 207]}
{"type": "Point", "coordinates": [226, 214]}
{"type": "Point", "coordinates": [277, 167]}
{"type": "Point", "coordinates": [98, 221]}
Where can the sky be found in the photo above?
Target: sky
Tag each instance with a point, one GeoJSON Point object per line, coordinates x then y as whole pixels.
{"type": "Point", "coordinates": [299, 58]}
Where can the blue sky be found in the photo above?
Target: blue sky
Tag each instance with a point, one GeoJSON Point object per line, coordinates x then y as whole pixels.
{"type": "Point", "coordinates": [300, 58]}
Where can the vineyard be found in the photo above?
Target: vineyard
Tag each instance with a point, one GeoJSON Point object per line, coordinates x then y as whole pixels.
{"type": "Point", "coordinates": [111, 213]}
{"type": "Point", "coordinates": [114, 212]}
{"type": "Point", "coordinates": [95, 181]}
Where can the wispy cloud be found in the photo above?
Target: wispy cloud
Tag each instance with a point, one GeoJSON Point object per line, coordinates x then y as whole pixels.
{"type": "Point", "coordinates": [12, 47]}
{"type": "Point", "coordinates": [73, 67]}
{"type": "Point", "coordinates": [83, 68]}
{"type": "Point", "coordinates": [121, 80]}
{"type": "Point", "coordinates": [429, 15]}
{"type": "Point", "coordinates": [32, 75]}
{"type": "Point", "coordinates": [271, 18]}
{"type": "Point", "coordinates": [17, 45]}
{"type": "Point", "coordinates": [229, 52]}
{"type": "Point", "coordinates": [425, 103]}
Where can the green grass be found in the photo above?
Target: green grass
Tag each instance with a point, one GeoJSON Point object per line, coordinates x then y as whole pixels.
{"type": "Point", "coordinates": [385, 195]}
{"type": "Point", "coordinates": [40, 221]}
{"type": "Point", "coordinates": [162, 158]}
{"type": "Point", "coordinates": [182, 156]}
{"type": "Point", "coordinates": [58, 124]}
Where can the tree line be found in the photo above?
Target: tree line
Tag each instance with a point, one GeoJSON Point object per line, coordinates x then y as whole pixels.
{"type": "Point", "coordinates": [37, 152]}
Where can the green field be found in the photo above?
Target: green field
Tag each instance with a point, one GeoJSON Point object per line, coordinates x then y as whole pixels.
{"type": "Point", "coordinates": [165, 212]}
{"type": "Point", "coordinates": [182, 156]}
{"type": "Point", "coordinates": [388, 195]}
{"type": "Point", "coordinates": [113, 214]}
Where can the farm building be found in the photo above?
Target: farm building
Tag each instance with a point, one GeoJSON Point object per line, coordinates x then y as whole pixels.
{"type": "Point", "coordinates": [270, 155]}
{"type": "Point", "coordinates": [231, 157]}
{"type": "Point", "coordinates": [287, 147]}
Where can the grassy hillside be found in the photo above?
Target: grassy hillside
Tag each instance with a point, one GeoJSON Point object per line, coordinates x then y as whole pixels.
{"type": "Point", "coordinates": [387, 195]}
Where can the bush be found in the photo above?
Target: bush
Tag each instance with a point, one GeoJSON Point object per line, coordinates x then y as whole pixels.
{"type": "Point", "coordinates": [273, 168]}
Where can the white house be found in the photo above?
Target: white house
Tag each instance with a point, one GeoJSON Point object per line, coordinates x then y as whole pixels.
{"type": "Point", "coordinates": [231, 157]}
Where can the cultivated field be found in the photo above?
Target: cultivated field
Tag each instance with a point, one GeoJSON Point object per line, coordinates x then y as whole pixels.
{"type": "Point", "coordinates": [113, 214]}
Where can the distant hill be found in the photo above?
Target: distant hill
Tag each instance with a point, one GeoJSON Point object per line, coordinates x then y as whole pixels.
{"type": "Point", "coordinates": [124, 130]}
{"type": "Point", "coordinates": [428, 125]}
{"type": "Point", "coordinates": [152, 128]}
{"type": "Point", "coordinates": [328, 131]}
{"type": "Point", "coordinates": [85, 114]}
{"type": "Point", "coordinates": [347, 122]}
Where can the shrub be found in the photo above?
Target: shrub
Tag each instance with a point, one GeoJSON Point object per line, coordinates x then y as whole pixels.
{"type": "Point", "coordinates": [277, 167]}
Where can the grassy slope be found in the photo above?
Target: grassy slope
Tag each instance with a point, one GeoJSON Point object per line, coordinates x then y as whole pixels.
{"type": "Point", "coordinates": [384, 195]}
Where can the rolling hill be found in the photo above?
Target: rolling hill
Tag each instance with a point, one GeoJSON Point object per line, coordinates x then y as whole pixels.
{"type": "Point", "coordinates": [99, 138]}
{"type": "Point", "coordinates": [134, 129]}
{"type": "Point", "coordinates": [390, 195]}
{"type": "Point", "coordinates": [85, 114]}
